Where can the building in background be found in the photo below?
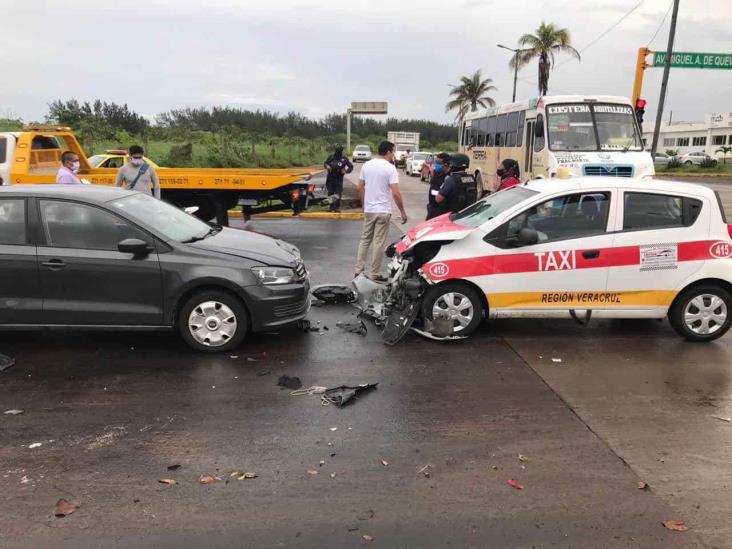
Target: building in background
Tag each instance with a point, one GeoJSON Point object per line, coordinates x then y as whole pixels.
{"type": "Point", "coordinates": [686, 137]}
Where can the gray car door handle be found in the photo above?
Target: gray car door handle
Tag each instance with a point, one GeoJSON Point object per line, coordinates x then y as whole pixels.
{"type": "Point", "coordinates": [54, 264]}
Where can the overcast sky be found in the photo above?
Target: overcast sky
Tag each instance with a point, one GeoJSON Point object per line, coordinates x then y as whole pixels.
{"type": "Point", "coordinates": [317, 56]}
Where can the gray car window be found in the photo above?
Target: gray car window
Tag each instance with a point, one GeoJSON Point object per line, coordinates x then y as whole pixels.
{"type": "Point", "coordinates": [75, 225]}
{"type": "Point", "coordinates": [12, 222]}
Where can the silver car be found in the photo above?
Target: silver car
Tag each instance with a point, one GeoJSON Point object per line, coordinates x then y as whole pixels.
{"type": "Point", "coordinates": [662, 159]}
{"type": "Point", "coordinates": [695, 158]}
{"type": "Point", "coordinates": [361, 153]}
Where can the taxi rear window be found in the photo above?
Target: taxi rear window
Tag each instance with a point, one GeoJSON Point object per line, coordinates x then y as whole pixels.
{"type": "Point", "coordinates": [659, 211]}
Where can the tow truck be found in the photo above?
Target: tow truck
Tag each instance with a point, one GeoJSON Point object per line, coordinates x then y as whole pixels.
{"type": "Point", "coordinates": [33, 156]}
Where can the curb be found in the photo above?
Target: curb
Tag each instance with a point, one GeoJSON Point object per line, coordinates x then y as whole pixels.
{"type": "Point", "coordinates": [305, 215]}
{"type": "Point", "coordinates": [693, 174]}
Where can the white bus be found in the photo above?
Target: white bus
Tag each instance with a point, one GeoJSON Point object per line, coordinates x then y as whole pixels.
{"type": "Point", "coordinates": [596, 135]}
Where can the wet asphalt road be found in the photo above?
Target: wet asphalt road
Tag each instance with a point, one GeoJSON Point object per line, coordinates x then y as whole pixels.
{"type": "Point", "coordinates": [628, 402]}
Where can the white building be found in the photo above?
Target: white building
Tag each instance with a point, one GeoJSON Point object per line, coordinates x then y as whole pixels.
{"type": "Point", "coordinates": [684, 137]}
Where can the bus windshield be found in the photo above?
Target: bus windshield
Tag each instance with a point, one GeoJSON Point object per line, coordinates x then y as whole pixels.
{"type": "Point", "coordinates": [582, 126]}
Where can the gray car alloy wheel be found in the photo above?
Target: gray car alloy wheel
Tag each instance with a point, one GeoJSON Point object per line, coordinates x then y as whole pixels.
{"type": "Point", "coordinates": [455, 306]}
{"type": "Point", "coordinates": [705, 314]}
{"type": "Point", "coordinates": [212, 323]}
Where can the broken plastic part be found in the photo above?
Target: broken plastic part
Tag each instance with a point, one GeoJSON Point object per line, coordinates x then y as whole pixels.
{"type": "Point", "coordinates": [334, 294]}
{"type": "Point", "coordinates": [6, 362]}
{"type": "Point", "coordinates": [340, 396]}
{"type": "Point", "coordinates": [354, 327]}
{"type": "Point", "coordinates": [399, 321]}
{"type": "Point", "coordinates": [433, 337]}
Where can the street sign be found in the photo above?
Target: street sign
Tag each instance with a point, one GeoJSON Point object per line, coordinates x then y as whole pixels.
{"type": "Point", "coordinates": [691, 60]}
{"type": "Point", "coordinates": [368, 107]}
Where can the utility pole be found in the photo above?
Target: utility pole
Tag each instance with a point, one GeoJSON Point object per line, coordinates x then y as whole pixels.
{"type": "Point", "coordinates": [515, 69]}
{"type": "Point", "coordinates": [348, 131]}
{"type": "Point", "coordinates": [664, 82]}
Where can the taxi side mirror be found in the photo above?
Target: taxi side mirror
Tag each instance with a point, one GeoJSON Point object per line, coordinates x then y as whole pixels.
{"type": "Point", "coordinates": [527, 237]}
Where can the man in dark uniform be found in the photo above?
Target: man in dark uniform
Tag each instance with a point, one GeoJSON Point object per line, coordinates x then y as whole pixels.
{"type": "Point", "coordinates": [436, 203]}
{"type": "Point", "coordinates": [337, 165]}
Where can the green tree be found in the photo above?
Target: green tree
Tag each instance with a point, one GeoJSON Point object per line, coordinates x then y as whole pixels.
{"type": "Point", "coordinates": [548, 41]}
{"type": "Point", "coordinates": [725, 151]}
{"type": "Point", "coordinates": [469, 94]}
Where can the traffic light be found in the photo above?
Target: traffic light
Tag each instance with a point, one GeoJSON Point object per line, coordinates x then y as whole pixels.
{"type": "Point", "coordinates": [640, 110]}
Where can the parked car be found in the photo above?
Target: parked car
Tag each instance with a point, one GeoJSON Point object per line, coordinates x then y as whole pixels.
{"type": "Point", "coordinates": [413, 163]}
{"type": "Point", "coordinates": [662, 159]}
{"type": "Point", "coordinates": [557, 248]}
{"type": "Point", "coordinates": [428, 167]}
{"type": "Point", "coordinates": [103, 257]}
{"type": "Point", "coordinates": [696, 158]}
{"type": "Point", "coordinates": [114, 159]}
{"type": "Point", "coordinates": [361, 153]}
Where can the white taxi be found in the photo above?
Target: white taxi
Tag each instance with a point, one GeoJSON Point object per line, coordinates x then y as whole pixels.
{"type": "Point", "coordinates": [600, 246]}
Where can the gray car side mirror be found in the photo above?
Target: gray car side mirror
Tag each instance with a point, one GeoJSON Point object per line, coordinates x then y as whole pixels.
{"type": "Point", "coordinates": [134, 246]}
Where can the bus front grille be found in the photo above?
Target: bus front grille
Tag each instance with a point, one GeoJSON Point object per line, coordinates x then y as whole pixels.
{"type": "Point", "coordinates": [612, 171]}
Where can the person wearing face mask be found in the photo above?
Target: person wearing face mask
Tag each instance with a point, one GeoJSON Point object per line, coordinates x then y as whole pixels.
{"type": "Point", "coordinates": [436, 203]}
{"type": "Point", "coordinates": [138, 175]}
{"type": "Point", "coordinates": [508, 173]}
{"type": "Point", "coordinates": [66, 174]}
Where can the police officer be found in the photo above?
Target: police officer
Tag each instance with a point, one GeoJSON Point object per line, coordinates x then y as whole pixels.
{"type": "Point", "coordinates": [337, 165]}
{"type": "Point", "coordinates": [459, 189]}
{"type": "Point", "coordinates": [436, 202]}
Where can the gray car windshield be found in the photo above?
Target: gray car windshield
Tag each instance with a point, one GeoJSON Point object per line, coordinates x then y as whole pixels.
{"type": "Point", "coordinates": [491, 206]}
{"type": "Point", "coordinates": [167, 220]}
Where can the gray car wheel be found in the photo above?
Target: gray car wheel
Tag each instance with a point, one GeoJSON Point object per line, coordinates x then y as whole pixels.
{"type": "Point", "coordinates": [213, 321]}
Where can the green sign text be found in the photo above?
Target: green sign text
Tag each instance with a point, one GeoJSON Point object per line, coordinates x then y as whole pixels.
{"type": "Point", "coordinates": [692, 60]}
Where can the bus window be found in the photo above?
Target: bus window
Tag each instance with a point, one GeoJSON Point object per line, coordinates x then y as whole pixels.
{"type": "Point", "coordinates": [520, 134]}
{"type": "Point", "coordinates": [539, 133]}
{"type": "Point", "coordinates": [571, 128]}
{"type": "Point", "coordinates": [512, 129]}
{"type": "Point", "coordinates": [491, 131]}
{"type": "Point", "coordinates": [501, 130]}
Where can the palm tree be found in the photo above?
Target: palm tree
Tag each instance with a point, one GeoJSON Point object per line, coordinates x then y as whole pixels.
{"type": "Point", "coordinates": [469, 94]}
{"type": "Point", "coordinates": [725, 151]}
{"type": "Point", "coordinates": [547, 41]}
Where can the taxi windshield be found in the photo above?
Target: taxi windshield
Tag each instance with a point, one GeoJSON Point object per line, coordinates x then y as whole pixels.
{"type": "Point", "coordinates": [592, 127]}
{"type": "Point", "coordinates": [95, 160]}
{"type": "Point", "coordinates": [491, 206]}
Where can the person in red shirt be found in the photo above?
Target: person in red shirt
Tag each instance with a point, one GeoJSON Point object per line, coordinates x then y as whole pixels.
{"type": "Point", "coordinates": [508, 172]}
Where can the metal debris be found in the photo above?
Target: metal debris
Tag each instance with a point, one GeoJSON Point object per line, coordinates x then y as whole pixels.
{"type": "Point", "coordinates": [13, 412]}
{"type": "Point", "coordinates": [354, 327]}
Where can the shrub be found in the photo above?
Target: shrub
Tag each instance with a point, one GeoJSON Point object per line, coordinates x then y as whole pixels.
{"type": "Point", "coordinates": [180, 155]}
{"type": "Point", "coordinates": [708, 163]}
{"type": "Point", "coordinates": [672, 152]}
{"type": "Point", "coordinates": [673, 164]}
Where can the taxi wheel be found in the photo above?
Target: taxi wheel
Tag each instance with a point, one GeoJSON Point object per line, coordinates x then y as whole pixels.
{"type": "Point", "coordinates": [213, 321]}
{"type": "Point", "coordinates": [456, 301]}
{"type": "Point", "coordinates": [702, 313]}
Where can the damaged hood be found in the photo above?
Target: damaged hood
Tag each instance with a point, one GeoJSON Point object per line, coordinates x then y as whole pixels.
{"type": "Point", "coordinates": [250, 245]}
{"type": "Point", "coordinates": [438, 228]}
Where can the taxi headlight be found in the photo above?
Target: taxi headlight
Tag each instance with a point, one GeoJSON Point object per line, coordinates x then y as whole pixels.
{"type": "Point", "coordinates": [274, 275]}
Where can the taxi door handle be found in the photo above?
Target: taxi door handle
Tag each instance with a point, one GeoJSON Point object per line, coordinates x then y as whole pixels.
{"type": "Point", "coordinates": [591, 254]}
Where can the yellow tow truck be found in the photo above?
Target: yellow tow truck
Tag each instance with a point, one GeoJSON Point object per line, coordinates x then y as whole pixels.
{"type": "Point", "coordinates": [33, 156]}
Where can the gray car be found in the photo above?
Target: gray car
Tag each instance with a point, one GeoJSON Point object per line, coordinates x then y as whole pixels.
{"type": "Point", "coordinates": [99, 257]}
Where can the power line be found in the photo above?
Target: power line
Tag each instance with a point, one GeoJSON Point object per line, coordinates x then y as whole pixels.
{"type": "Point", "coordinates": [596, 40]}
{"type": "Point", "coordinates": [602, 35]}
{"type": "Point", "coordinates": [671, 4]}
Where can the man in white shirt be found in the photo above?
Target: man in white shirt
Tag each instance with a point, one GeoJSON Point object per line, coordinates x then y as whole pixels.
{"type": "Point", "coordinates": [377, 184]}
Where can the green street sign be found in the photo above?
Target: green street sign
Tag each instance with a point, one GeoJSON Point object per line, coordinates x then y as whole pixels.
{"type": "Point", "coordinates": [690, 60]}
